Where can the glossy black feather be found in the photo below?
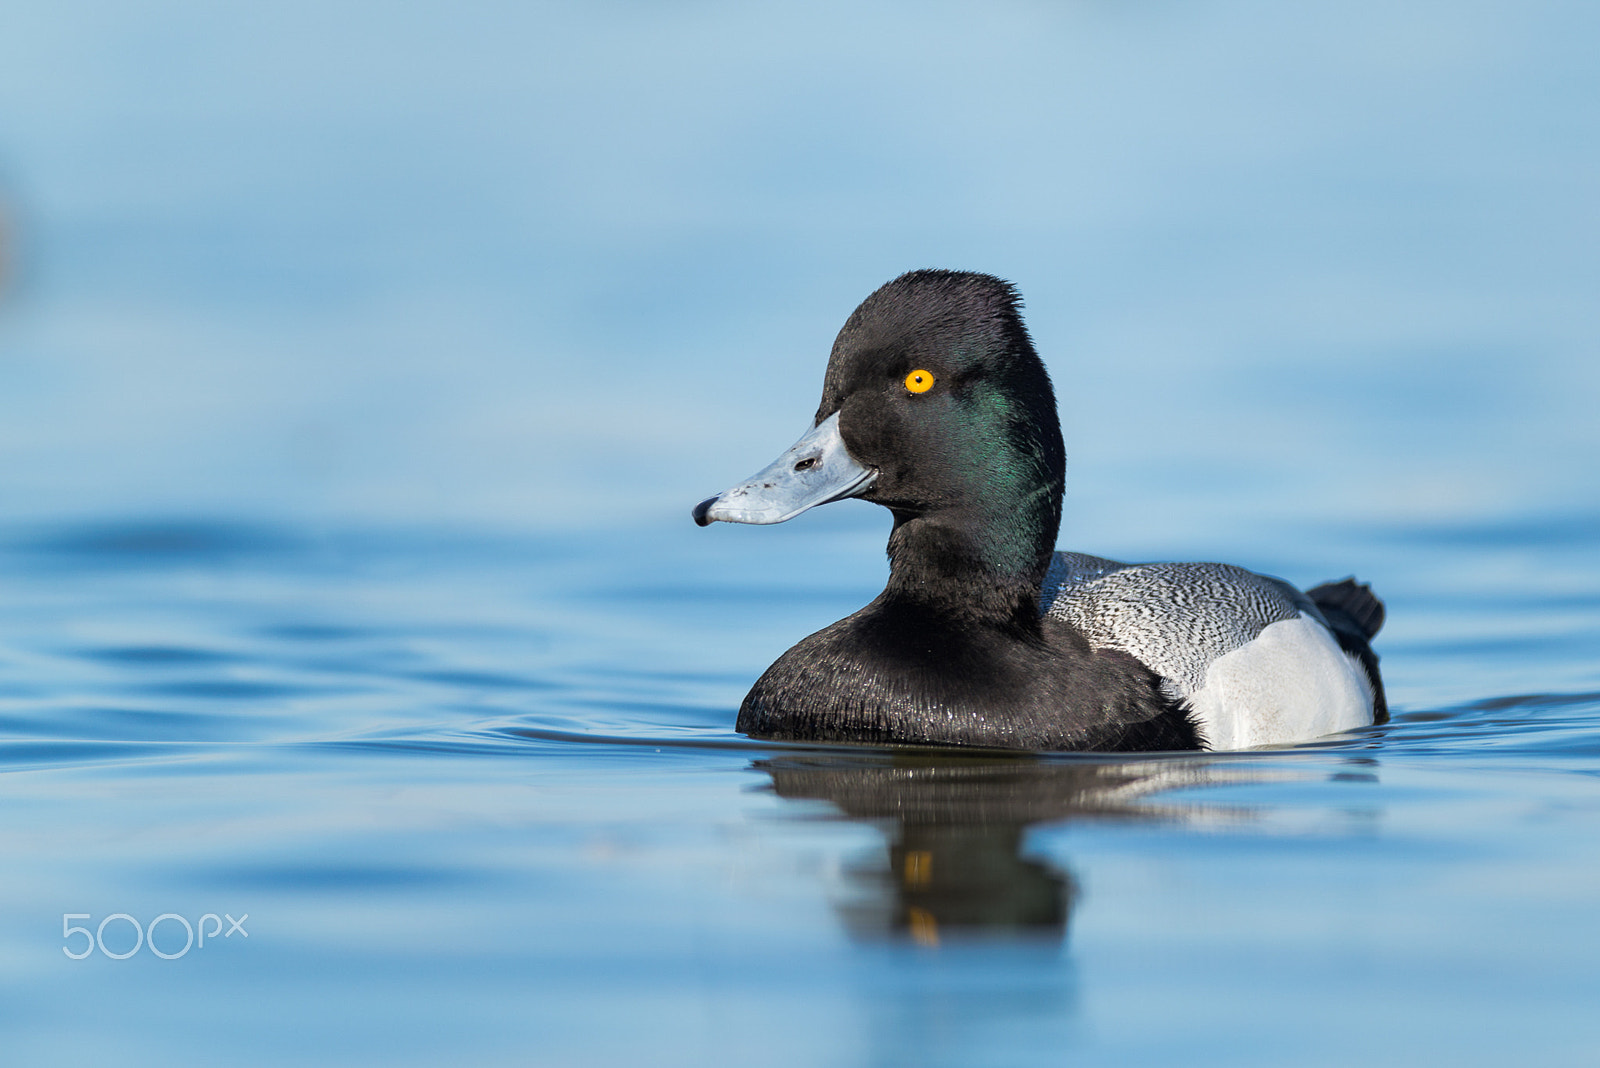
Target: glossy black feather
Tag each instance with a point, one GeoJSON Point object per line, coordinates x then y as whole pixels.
{"type": "Point", "coordinates": [895, 672]}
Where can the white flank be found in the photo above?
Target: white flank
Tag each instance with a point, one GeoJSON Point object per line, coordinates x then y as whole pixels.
{"type": "Point", "coordinates": [1291, 683]}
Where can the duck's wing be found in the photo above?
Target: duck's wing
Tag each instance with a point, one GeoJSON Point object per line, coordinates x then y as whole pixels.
{"type": "Point", "coordinates": [1175, 618]}
{"type": "Point", "coordinates": [1204, 628]}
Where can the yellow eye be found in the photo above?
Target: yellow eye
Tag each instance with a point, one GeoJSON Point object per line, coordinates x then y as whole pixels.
{"type": "Point", "coordinates": [919, 381]}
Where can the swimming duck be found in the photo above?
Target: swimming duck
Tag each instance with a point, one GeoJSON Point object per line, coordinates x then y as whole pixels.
{"type": "Point", "coordinates": [936, 406]}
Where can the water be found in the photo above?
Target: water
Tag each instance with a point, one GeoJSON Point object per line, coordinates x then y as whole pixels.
{"type": "Point", "coordinates": [358, 371]}
{"type": "Point", "coordinates": [481, 801]}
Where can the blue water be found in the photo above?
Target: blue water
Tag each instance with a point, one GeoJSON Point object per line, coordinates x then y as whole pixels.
{"type": "Point", "coordinates": [358, 369]}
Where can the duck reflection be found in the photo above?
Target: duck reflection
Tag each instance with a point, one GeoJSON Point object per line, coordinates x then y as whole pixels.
{"type": "Point", "coordinates": [955, 827]}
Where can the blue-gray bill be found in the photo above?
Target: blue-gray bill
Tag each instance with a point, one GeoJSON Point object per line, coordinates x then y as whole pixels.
{"type": "Point", "coordinates": [817, 469]}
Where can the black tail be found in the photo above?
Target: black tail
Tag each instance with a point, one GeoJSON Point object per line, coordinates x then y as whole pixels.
{"type": "Point", "coordinates": [1353, 600]}
{"type": "Point", "coordinates": [1355, 615]}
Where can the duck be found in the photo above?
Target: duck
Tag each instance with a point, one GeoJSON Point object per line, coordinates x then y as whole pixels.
{"type": "Point", "coordinates": [936, 406]}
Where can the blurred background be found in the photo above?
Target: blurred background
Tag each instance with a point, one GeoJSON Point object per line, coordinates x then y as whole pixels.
{"type": "Point", "coordinates": [360, 363]}
{"type": "Point", "coordinates": [554, 265]}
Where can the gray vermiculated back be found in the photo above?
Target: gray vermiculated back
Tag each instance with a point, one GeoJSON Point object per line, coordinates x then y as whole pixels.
{"type": "Point", "coordinates": [1175, 618]}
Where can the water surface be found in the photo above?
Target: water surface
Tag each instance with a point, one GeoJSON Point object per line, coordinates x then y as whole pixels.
{"type": "Point", "coordinates": [480, 800]}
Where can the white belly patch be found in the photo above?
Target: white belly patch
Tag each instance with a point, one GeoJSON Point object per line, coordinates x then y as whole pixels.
{"type": "Point", "coordinates": [1290, 683]}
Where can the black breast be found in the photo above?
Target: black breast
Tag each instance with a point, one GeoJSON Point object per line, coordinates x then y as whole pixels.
{"type": "Point", "coordinates": [891, 674]}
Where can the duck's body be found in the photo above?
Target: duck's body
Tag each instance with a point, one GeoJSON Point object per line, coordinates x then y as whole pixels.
{"type": "Point", "coordinates": [1252, 660]}
{"type": "Point", "coordinates": [905, 670]}
{"type": "Point", "coordinates": [936, 406]}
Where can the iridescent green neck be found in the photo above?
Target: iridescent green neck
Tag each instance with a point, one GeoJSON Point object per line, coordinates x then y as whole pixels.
{"type": "Point", "coordinates": [990, 541]}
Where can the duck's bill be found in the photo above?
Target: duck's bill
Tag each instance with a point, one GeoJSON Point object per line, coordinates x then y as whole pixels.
{"type": "Point", "coordinates": [816, 469]}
